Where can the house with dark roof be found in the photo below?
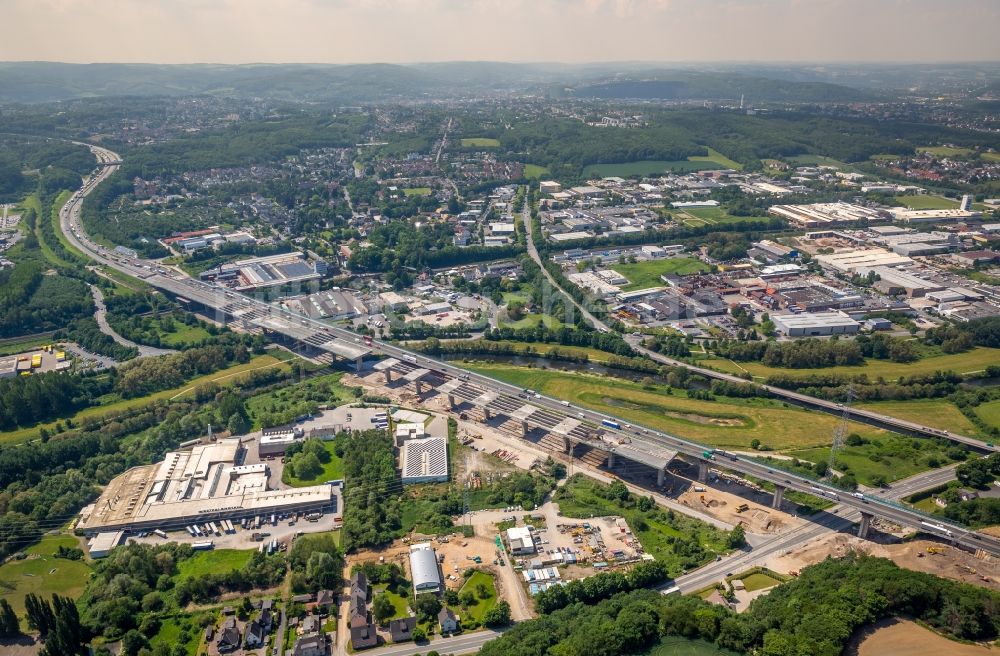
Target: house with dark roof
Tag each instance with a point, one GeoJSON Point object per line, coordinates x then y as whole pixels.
{"type": "Point", "coordinates": [325, 599]}
{"type": "Point", "coordinates": [363, 637]}
{"type": "Point", "coordinates": [448, 620]}
{"type": "Point", "coordinates": [311, 644]}
{"type": "Point", "coordinates": [401, 630]}
{"type": "Point", "coordinates": [229, 636]}
{"type": "Point", "coordinates": [357, 611]}
{"type": "Point", "coordinates": [256, 635]}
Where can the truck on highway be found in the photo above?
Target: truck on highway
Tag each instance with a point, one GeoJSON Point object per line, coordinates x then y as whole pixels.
{"type": "Point", "coordinates": [611, 424]}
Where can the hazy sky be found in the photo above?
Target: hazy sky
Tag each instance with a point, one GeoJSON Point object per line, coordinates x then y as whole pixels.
{"type": "Point", "coordinates": [343, 31]}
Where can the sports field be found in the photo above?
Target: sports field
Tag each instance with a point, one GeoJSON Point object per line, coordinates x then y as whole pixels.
{"type": "Point", "coordinates": [417, 191]}
{"type": "Point", "coordinates": [534, 171]}
{"type": "Point", "coordinates": [927, 202]}
{"type": "Point", "coordinates": [42, 573]}
{"type": "Point", "coordinates": [698, 216]}
{"type": "Point", "coordinates": [971, 361]}
{"type": "Point", "coordinates": [645, 274]}
{"type": "Point", "coordinates": [480, 142]}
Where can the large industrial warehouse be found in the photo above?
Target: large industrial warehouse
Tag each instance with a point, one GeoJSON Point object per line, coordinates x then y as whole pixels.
{"type": "Point", "coordinates": [203, 484]}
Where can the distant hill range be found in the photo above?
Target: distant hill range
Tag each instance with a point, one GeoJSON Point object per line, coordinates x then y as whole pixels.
{"type": "Point", "coordinates": [32, 82]}
{"type": "Point", "coordinates": [710, 86]}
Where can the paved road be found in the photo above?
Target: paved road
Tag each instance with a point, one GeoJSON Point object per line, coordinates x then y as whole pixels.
{"type": "Point", "coordinates": [462, 644]}
{"type": "Point", "coordinates": [101, 315]}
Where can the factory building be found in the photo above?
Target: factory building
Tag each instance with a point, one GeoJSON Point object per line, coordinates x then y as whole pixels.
{"type": "Point", "coordinates": [520, 540]}
{"type": "Point", "coordinates": [905, 215]}
{"type": "Point", "coordinates": [818, 215]}
{"type": "Point", "coordinates": [852, 261]}
{"type": "Point", "coordinates": [424, 569]}
{"type": "Point", "coordinates": [207, 483]}
{"type": "Point", "coordinates": [817, 324]}
{"type": "Point", "coordinates": [424, 460]}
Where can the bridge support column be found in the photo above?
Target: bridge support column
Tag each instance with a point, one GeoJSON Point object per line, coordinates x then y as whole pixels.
{"type": "Point", "coordinates": [357, 363]}
{"type": "Point", "coordinates": [865, 525]}
{"type": "Point", "coordinates": [487, 415]}
{"type": "Point", "coordinates": [779, 496]}
{"type": "Point", "coordinates": [388, 375]}
{"type": "Point", "coordinates": [524, 429]}
{"type": "Point", "coordinates": [661, 477]}
{"type": "Point", "coordinates": [611, 459]}
{"type": "Point", "coordinates": [418, 387]}
{"type": "Point", "coordinates": [451, 401]}
{"type": "Point", "coordinates": [702, 471]}
{"type": "Point", "coordinates": [568, 445]}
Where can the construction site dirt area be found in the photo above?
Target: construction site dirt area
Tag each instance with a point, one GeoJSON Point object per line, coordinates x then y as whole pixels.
{"type": "Point", "coordinates": [897, 637]}
{"type": "Point", "coordinates": [919, 555]}
{"type": "Point", "coordinates": [734, 509]}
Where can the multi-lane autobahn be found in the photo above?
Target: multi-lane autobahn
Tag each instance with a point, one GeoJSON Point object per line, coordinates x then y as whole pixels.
{"type": "Point", "coordinates": [654, 444]}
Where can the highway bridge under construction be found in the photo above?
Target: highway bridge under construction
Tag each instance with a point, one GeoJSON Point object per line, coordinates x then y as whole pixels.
{"type": "Point", "coordinates": [573, 425]}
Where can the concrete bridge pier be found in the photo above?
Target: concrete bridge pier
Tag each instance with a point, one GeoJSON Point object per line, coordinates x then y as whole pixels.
{"type": "Point", "coordinates": [568, 445]}
{"type": "Point", "coordinates": [865, 526]}
{"type": "Point", "coordinates": [487, 415]}
{"type": "Point", "coordinates": [661, 477]}
{"type": "Point", "coordinates": [702, 471]}
{"type": "Point", "coordinates": [418, 387]}
{"type": "Point", "coordinates": [524, 429]}
{"type": "Point", "coordinates": [358, 363]}
{"type": "Point", "coordinates": [779, 496]}
{"type": "Point", "coordinates": [611, 459]}
{"type": "Point", "coordinates": [388, 375]}
{"type": "Point", "coordinates": [451, 401]}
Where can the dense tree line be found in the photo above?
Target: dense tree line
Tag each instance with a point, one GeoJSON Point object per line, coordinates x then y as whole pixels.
{"type": "Point", "coordinates": [818, 612]}
{"type": "Point", "coordinates": [31, 302]}
{"type": "Point", "coordinates": [815, 614]}
{"type": "Point", "coordinates": [959, 337]}
{"type": "Point", "coordinates": [27, 400]}
{"type": "Point", "coordinates": [601, 586]}
{"type": "Point", "coordinates": [372, 489]}
{"type": "Point", "coordinates": [565, 336]}
{"type": "Point", "coordinates": [627, 623]}
{"type": "Point", "coordinates": [316, 563]}
{"type": "Point", "coordinates": [149, 375]}
{"type": "Point", "coordinates": [816, 353]}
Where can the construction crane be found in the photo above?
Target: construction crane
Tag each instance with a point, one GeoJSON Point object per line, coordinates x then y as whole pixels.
{"type": "Point", "coordinates": [840, 433]}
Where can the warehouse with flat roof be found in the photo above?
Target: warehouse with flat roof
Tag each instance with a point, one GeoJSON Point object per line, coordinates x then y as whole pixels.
{"type": "Point", "coordinates": [815, 324]}
{"type": "Point", "coordinates": [424, 460]}
{"type": "Point", "coordinates": [208, 482]}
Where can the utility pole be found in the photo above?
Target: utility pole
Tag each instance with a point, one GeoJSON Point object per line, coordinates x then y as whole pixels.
{"type": "Point", "coordinates": [843, 426]}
